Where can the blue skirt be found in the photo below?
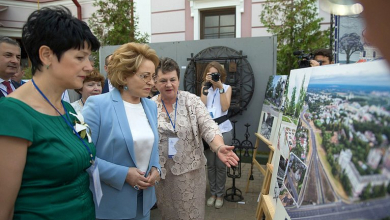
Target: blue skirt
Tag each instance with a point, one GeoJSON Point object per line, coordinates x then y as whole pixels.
{"type": "Point", "coordinates": [139, 215]}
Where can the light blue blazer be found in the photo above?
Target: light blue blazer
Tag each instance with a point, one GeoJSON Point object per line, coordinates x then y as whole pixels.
{"type": "Point", "coordinates": [105, 114]}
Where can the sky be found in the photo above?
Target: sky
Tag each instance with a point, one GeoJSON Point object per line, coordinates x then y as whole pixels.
{"type": "Point", "coordinates": [375, 73]}
{"type": "Point", "coordinates": [276, 79]}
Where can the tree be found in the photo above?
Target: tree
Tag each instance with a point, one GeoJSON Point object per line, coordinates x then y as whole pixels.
{"type": "Point", "coordinates": [270, 87]}
{"type": "Point", "coordinates": [301, 99]}
{"type": "Point", "coordinates": [366, 192]}
{"type": "Point", "coordinates": [286, 101]}
{"type": "Point", "coordinates": [350, 43]}
{"type": "Point", "coordinates": [114, 23]}
{"type": "Point", "coordinates": [291, 105]}
{"type": "Point", "coordinates": [297, 26]}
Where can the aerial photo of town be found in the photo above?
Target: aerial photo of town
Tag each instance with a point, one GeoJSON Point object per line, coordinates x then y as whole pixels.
{"type": "Point", "coordinates": [272, 106]}
{"type": "Point", "coordinates": [294, 97]}
{"type": "Point", "coordinates": [343, 137]}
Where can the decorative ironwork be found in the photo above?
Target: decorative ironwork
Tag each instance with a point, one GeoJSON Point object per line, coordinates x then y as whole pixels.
{"type": "Point", "coordinates": [239, 76]}
{"type": "Point", "coordinates": [234, 194]}
{"type": "Point", "coordinates": [235, 141]}
{"type": "Point", "coordinates": [247, 145]}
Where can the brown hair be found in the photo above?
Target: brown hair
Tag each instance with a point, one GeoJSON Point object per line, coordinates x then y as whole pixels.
{"type": "Point", "coordinates": [324, 52]}
{"type": "Point", "coordinates": [94, 75]}
{"type": "Point", "coordinates": [168, 65]}
{"type": "Point", "coordinates": [219, 68]}
{"type": "Point", "coordinates": [126, 60]}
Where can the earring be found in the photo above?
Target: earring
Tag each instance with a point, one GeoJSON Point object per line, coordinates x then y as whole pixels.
{"type": "Point", "coordinates": [47, 66]}
{"type": "Point", "coordinates": [125, 88]}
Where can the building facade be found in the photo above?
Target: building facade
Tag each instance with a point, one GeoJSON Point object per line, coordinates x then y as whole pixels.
{"type": "Point", "coordinates": [164, 21]}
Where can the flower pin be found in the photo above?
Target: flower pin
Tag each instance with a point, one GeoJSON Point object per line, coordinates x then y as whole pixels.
{"type": "Point", "coordinates": [81, 127]}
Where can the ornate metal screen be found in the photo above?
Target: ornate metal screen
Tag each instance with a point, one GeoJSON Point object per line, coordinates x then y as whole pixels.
{"type": "Point", "coordinates": [239, 75]}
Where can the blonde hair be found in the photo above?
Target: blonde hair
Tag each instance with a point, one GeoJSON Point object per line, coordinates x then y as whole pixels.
{"type": "Point", "coordinates": [126, 60]}
{"type": "Point", "coordinates": [219, 68]}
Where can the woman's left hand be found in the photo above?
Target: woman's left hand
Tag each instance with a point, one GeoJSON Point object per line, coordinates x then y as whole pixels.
{"type": "Point", "coordinates": [217, 84]}
{"type": "Point", "coordinates": [227, 156]}
{"type": "Point", "coordinates": [153, 177]}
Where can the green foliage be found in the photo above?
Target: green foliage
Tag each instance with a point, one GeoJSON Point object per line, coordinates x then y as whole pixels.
{"type": "Point", "coordinates": [346, 183]}
{"type": "Point", "coordinates": [301, 99]}
{"type": "Point", "coordinates": [291, 106]}
{"type": "Point", "coordinates": [372, 126]}
{"type": "Point", "coordinates": [388, 188]}
{"type": "Point", "coordinates": [112, 23]}
{"type": "Point", "coordinates": [379, 191]}
{"type": "Point", "coordinates": [297, 26]}
{"type": "Point", "coordinates": [27, 73]}
{"type": "Point", "coordinates": [270, 88]}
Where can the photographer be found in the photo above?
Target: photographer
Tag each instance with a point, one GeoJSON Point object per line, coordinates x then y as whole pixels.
{"type": "Point", "coordinates": [322, 57]}
{"type": "Point", "coordinates": [216, 96]}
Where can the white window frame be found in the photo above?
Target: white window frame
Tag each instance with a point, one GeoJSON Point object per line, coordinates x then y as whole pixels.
{"type": "Point", "coordinates": [198, 5]}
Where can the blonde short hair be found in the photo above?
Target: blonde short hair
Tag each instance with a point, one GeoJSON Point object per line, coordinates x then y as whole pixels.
{"type": "Point", "coordinates": [126, 60]}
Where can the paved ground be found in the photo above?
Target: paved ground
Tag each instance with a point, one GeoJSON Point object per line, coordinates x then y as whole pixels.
{"type": "Point", "coordinates": [234, 210]}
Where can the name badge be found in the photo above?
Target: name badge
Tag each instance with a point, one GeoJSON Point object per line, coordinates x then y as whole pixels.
{"type": "Point", "coordinates": [94, 172]}
{"type": "Point", "coordinates": [171, 146]}
{"type": "Point", "coordinates": [212, 112]}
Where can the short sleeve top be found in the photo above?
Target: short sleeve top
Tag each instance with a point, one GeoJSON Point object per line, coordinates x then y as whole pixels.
{"type": "Point", "coordinates": [55, 183]}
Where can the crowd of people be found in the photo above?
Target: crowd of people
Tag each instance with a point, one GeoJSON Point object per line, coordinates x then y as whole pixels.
{"type": "Point", "coordinates": [113, 155]}
{"type": "Point", "coordinates": [104, 156]}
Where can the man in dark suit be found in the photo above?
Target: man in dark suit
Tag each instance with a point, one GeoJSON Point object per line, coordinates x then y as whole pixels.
{"type": "Point", "coordinates": [9, 65]}
{"type": "Point", "coordinates": [107, 84]}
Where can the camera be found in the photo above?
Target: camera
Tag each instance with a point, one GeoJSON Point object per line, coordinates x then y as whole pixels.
{"type": "Point", "coordinates": [304, 58]}
{"type": "Point", "coordinates": [215, 77]}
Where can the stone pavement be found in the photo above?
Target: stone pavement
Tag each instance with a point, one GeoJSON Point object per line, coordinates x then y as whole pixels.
{"type": "Point", "coordinates": [234, 210]}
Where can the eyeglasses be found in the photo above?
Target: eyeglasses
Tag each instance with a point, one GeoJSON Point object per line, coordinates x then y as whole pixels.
{"type": "Point", "coordinates": [146, 77]}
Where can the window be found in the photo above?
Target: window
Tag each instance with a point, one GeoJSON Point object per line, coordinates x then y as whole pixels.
{"type": "Point", "coordinates": [219, 23]}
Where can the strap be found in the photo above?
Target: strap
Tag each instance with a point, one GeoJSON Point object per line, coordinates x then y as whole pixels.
{"type": "Point", "coordinates": [221, 119]}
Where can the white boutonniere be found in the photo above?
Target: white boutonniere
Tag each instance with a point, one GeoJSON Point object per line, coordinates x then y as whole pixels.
{"type": "Point", "coordinates": [81, 127]}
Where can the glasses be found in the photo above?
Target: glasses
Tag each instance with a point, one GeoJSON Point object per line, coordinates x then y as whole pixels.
{"type": "Point", "coordinates": [146, 77]}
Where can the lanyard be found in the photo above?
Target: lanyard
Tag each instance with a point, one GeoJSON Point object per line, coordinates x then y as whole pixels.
{"type": "Point", "coordinates": [173, 124]}
{"type": "Point", "coordinates": [215, 94]}
{"type": "Point", "coordinates": [4, 91]}
{"type": "Point", "coordinates": [66, 121]}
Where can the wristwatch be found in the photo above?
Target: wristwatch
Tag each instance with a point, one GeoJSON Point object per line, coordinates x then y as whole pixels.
{"type": "Point", "coordinates": [221, 91]}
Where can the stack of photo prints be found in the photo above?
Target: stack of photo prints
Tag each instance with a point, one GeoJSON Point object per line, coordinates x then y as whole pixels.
{"type": "Point", "coordinates": [331, 125]}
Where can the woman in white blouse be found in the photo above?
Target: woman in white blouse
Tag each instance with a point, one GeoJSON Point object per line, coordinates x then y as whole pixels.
{"type": "Point", "coordinates": [92, 85]}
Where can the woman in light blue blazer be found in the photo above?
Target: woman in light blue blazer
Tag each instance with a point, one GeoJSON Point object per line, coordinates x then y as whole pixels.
{"type": "Point", "coordinates": [124, 129]}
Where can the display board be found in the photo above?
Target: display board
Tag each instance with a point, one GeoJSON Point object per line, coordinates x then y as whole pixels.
{"type": "Point", "coordinates": [350, 43]}
{"type": "Point", "coordinates": [338, 161]}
